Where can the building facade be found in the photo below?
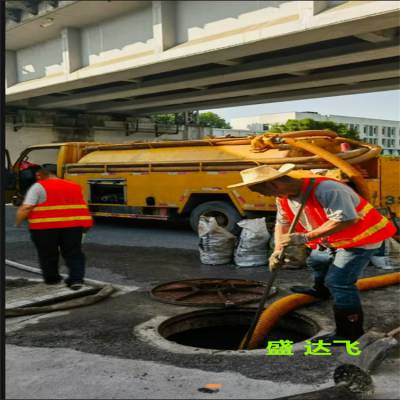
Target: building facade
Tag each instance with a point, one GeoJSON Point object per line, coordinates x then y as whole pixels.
{"type": "Point", "coordinates": [385, 133]}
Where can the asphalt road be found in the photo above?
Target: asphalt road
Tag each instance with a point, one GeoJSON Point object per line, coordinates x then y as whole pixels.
{"type": "Point", "coordinates": [115, 237]}
{"type": "Point", "coordinates": [93, 352]}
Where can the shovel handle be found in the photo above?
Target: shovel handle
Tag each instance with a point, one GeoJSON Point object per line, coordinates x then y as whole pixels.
{"type": "Point", "coordinates": [274, 273]}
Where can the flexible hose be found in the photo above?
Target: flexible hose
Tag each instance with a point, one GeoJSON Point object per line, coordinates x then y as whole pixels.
{"type": "Point", "coordinates": [37, 271]}
{"type": "Point", "coordinates": [305, 134]}
{"type": "Point", "coordinates": [279, 308]}
{"type": "Point", "coordinates": [354, 174]}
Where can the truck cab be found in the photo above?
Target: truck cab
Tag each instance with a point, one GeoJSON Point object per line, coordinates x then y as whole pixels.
{"type": "Point", "coordinates": [9, 178]}
{"type": "Point", "coordinates": [21, 175]}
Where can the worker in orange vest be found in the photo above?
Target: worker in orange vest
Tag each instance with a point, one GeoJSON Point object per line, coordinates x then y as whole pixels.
{"type": "Point", "coordinates": [57, 216]}
{"type": "Point", "coordinates": [341, 229]}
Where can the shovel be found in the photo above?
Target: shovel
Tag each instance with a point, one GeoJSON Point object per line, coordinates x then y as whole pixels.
{"type": "Point", "coordinates": [274, 273]}
{"type": "Point", "coordinates": [353, 377]}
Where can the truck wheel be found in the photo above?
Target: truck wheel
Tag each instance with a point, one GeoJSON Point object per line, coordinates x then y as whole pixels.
{"type": "Point", "coordinates": [226, 215]}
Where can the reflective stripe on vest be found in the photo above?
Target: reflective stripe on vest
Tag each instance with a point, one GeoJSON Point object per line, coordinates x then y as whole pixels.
{"type": "Point", "coordinates": [370, 231]}
{"type": "Point", "coordinates": [372, 227]}
{"type": "Point", "coordinates": [37, 220]}
{"type": "Point", "coordinates": [64, 207]}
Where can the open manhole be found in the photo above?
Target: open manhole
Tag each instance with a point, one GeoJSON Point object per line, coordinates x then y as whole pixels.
{"type": "Point", "coordinates": [210, 292]}
{"type": "Point", "coordinates": [225, 329]}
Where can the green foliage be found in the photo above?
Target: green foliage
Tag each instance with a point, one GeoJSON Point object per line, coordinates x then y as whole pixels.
{"type": "Point", "coordinates": [208, 119]}
{"type": "Point", "coordinates": [213, 120]}
{"type": "Point", "coordinates": [310, 124]}
{"type": "Point", "coordinates": [164, 119]}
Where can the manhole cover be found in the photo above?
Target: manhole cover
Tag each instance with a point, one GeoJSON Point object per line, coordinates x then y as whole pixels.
{"type": "Point", "coordinates": [210, 292]}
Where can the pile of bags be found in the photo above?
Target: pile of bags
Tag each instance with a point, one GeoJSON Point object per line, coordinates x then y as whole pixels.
{"type": "Point", "coordinates": [255, 245]}
{"type": "Point", "coordinates": [218, 246]}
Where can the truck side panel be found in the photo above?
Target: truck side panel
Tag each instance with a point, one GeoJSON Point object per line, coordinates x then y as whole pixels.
{"type": "Point", "coordinates": [173, 189]}
{"type": "Point", "coordinates": [390, 183]}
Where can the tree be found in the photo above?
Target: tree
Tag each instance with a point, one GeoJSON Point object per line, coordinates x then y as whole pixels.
{"type": "Point", "coordinates": [310, 124]}
{"type": "Point", "coordinates": [213, 120]}
{"type": "Point", "coordinates": [164, 119]}
{"type": "Point", "coordinates": [208, 119]}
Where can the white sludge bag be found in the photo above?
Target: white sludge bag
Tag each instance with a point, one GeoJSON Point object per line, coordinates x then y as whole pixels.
{"type": "Point", "coordinates": [390, 258]}
{"type": "Point", "coordinates": [252, 250]}
{"type": "Point", "coordinates": [216, 244]}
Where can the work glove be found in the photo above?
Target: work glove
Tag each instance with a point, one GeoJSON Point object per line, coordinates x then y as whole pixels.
{"type": "Point", "coordinates": [294, 257]}
{"type": "Point", "coordinates": [275, 260]}
{"type": "Point", "coordinates": [296, 239]}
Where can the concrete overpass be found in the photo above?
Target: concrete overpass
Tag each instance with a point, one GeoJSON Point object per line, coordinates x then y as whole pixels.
{"type": "Point", "coordinates": [135, 58]}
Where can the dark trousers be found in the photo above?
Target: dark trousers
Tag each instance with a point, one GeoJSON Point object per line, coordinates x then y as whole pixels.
{"type": "Point", "coordinates": [50, 242]}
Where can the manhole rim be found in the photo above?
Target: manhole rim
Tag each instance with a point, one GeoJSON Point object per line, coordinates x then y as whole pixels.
{"type": "Point", "coordinates": [148, 332]}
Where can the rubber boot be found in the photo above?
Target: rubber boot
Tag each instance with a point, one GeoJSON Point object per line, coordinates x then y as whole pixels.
{"type": "Point", "coordinates": [349, 326]}
{"type": "Point", "coordinates": [318, 290]}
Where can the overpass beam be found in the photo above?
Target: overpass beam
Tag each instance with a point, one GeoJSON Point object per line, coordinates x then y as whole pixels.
{"type": "Point", "coordinates": [309, 93]}
{"type": "Point", "coordinates": [321, 80]}
{"type": "Point", "coordinates": [164, 22]}
{"type": "Point", "coordinates": [71, 49]}
{"type": "Point", "coordinates": [11, 68]}
{"type": "Point", "coordinates": [289, 64]}
{"type": "Point", "coordinates": [378, 37]}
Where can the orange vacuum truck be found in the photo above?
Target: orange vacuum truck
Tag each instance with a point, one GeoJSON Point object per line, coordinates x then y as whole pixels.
{"type": "Point", "coordinates": [171, 179]}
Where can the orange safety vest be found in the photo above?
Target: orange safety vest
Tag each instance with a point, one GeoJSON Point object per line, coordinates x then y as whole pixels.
{"type": "Point", "coordinates": [64, 207]}
{"type": "Point", "coordinates": [372, 227]}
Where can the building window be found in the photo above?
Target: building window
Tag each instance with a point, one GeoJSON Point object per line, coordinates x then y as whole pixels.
{"type": "Point", "coordinates": [255, 127]}
{"type": "Point", "coordinates": [365, 128]}
{"type": "Point", "coordinates": [355, 127]}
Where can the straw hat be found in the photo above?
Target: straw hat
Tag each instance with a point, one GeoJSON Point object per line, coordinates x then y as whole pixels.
{"type": "Point", "coordinates": [263, 173]}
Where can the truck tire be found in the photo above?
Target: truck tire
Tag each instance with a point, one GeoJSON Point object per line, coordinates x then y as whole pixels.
{"type": "Point", "coordinates": [226, 215]}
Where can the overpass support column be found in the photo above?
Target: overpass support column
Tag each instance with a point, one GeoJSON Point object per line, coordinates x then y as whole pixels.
{"type": "Point", "coordinates": [164, 21]}
{"type": "Point", "coordinates": [71, 49]}
{"type": "Point", "coordinates": [11, 68]}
